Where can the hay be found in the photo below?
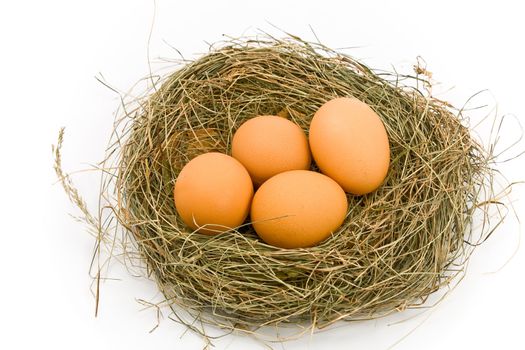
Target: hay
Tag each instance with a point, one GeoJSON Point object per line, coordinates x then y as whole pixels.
{"type": "Point", "coordinates": [397, 245]}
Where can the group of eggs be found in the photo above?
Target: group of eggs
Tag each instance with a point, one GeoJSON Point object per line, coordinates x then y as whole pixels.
{"type": "Point", "coordinates": [293, 207]}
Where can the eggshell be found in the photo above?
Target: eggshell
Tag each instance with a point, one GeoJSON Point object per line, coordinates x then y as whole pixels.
{"type": "Point", "coordinates": [268, 145]}
{"type": "Point", "coordinates": [349, 143]}
{"type": "Point", "coordinates": [298, 208]}
{"type": "Point", "coordinates": [213, 193]}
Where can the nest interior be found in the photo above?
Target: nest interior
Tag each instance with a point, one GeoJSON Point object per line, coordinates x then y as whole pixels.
{"type": "Point", "coordinates": [397, 245]}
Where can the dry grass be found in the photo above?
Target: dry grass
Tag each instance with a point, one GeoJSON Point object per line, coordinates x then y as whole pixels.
{"type": "Point", "coordinates": [397, 245]}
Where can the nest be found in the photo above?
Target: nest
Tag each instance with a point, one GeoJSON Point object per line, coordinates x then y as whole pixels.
{"type": "Point", "coordinates": [397, 246]}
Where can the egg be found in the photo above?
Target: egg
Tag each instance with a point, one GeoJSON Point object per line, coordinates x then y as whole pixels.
{"type": "Point", "coordinates": [268, 145]}
{"type": "Point", "coordinates": [213, 193]}
{"type": "Point", "coordinates": [298, 209]}
{"type": "Point", "coordinates": [350, 144]}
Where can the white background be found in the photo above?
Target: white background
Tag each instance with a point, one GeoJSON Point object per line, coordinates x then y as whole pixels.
{"type": "Point", "coordinates": [50, 52]}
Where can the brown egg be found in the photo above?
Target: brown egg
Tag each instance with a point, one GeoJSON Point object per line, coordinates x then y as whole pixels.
{"type": "Point", "coordinates": [268, 145]}
{"type": "Point", "coordinates": [213, 193]}
{"type": "Point", "coordinates": [298, 208]}
{"type": "Point", "coordinates": [349, 144]}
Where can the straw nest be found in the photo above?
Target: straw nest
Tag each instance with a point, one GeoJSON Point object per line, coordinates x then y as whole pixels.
{"type": "Point", "coordinates": [397, 245]}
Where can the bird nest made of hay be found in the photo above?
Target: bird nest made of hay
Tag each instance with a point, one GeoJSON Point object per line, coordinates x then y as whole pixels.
{"type": "Point", "coordinates": [396, 246]}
